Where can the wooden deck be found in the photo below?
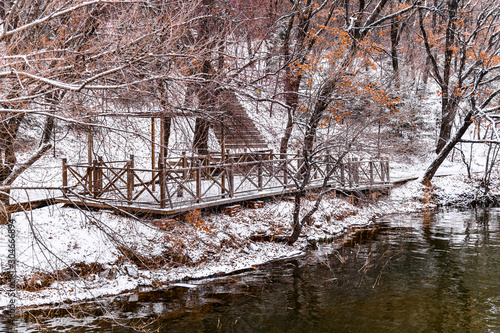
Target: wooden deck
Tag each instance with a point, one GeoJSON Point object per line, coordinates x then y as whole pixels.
{"type": "Point", "coordinates": [196, 182]}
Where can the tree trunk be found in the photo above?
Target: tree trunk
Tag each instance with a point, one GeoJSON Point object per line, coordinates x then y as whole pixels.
{"type": "Point", "coordinates": [448, 100]}
{"type": "Point", "coordinates": [200, 143]}
{"type": "Point", "coordinates": [48, 130]}
{"type": "Point", "coordinates": [394, 50]}
{"type": "Point", "coordinates": [9, 134]}
{"type": "Point", "coordinates": [165, 125]}
{"type": "Point", "coordinates": [436, 163]}
{"type": "Point", "coordinates": [447, 120]}
{"type": "Point", "coordinates": [296, 225]}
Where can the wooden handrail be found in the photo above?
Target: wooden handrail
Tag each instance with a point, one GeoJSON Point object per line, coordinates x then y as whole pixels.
{"type": "Point", "coordinates": [194, 180]}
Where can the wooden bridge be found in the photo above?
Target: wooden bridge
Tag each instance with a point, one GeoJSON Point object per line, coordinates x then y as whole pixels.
{"type": "Point", "coordinates": [194, 182]}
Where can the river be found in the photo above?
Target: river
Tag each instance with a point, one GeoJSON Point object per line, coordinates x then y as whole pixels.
{"type": "Point", "coordinates": [427, 272]}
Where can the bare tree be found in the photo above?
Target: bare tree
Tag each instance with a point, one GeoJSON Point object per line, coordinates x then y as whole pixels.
{"type": "Point", "coordinates": [471, 38]}
{"type": "Point", "coordinates": [368, 17]}
{"type": "Point", "coordinates": [95, 49]}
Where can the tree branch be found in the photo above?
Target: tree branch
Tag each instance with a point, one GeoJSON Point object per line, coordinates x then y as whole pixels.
{"type": "Point", "coordinates": [22, 167]}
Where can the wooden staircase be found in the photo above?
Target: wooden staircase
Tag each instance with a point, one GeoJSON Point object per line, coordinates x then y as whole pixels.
{"type": "Point", "coordinates": [235, 128]}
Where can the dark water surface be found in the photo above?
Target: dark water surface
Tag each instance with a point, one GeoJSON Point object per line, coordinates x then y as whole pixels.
{"type": "Point", "coordinates": [431, 272]}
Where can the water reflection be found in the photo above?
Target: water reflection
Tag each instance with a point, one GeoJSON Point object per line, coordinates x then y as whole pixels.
{"type": "Point", "coordinates": [430, 272]}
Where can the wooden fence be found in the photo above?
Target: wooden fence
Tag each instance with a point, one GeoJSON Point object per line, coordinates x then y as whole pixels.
{"type": "Point", "coordinates": [189, 180]}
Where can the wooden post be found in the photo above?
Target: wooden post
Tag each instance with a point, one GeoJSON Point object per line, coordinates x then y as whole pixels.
{"type": "Point", "coordinates": [64, 175]}
{"type": "Point", "coordinates": [349, 171]}
{"type": "Point", "coordinates": [259, 172]}
{"type": "Point", "coordinates": [371, 173]}
{"type": "Point", "coordinates": [382, 170]}
{"type": "Point", "coordinates": [162, 140]}
{"type": "Point", "coordinates": [271, 162]}
{"type": "Point", "coordinates": [342, 174]}
{"type": "Point", "coordinates": [132, 165]}
{"type": "Point", "coordinates": [90, 142]}
{"type": "Point", "coordinates": [356, 170]}
{"type": "Point", "coordinates": [231, 179]}
{"type": "Point", "coordinates": [100, 172]}
{"type": "Point", "coordinates": [285, 170]}
{"type": "Point", "coordinates": [130, 179]}
{"type": "Point", "coordinates": [162, 185]}
{"type": "Point", "coordinates": [184, 165]}
{"type": "Point", "coordinates": [90, 170]}
{"type": "Point", "coordinates": [224, 172]}
{"type": "Point", "coordinates": [223, 143]}
{"type": "Point", "coordinates": [328, 162]}
{"type": "Point", "coordinates": [206, 163]}
{"type": "Point", "coordinates": [387, 177]}
{"type": "Point", "coordinates": [198, 181]}
{"type": "Point", "coordinates": [95, 190]}
{"type": "Point", "coordinates": [153, 162]}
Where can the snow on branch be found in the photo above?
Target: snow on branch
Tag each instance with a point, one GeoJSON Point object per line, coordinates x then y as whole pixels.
{"type": "Point", "coordinates": [48, 17]}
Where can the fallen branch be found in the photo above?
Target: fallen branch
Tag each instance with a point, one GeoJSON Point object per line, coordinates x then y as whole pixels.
{"type": "Point", "coordinates": [22, 167]}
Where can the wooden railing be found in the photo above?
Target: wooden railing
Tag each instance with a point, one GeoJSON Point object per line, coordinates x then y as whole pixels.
{"type": "Point", "coordinates": [188, 180]}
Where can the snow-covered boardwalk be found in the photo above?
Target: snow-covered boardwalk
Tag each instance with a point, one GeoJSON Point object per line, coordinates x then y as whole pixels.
{"type": "Point", "coordinates": [187, 183]}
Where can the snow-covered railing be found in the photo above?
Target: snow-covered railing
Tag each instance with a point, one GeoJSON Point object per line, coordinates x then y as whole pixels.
{"type": "Point", "coordinates": [200, 179]}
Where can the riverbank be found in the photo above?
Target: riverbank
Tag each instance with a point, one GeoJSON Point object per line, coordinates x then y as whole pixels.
{"type": "Point", "coordinates": [65, 254]}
